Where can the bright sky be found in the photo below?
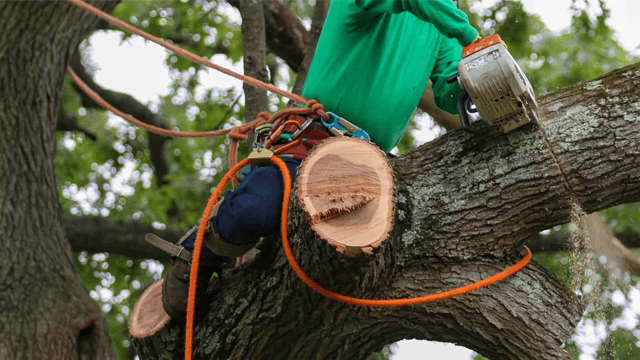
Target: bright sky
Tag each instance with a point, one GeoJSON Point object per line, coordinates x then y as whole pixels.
{"type": "Point", "coordinates": [137, 68]}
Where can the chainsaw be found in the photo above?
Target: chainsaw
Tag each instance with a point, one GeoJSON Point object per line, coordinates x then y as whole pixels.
{"type": "Point", "coordinates": [494, 86]}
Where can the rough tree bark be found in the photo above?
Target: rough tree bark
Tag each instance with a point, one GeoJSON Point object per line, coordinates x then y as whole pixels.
{"type": "Point", "coordinates": [464, 206]}
{"type": "Point", "coordinates": [45, 310]}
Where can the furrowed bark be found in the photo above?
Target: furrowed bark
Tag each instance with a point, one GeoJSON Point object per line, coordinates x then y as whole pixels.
{"type": "Point", "coordinates": [46, 311]}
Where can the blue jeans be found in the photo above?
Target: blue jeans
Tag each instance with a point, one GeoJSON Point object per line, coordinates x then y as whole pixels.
{"type": "Point", "coordinates": [251, 211]}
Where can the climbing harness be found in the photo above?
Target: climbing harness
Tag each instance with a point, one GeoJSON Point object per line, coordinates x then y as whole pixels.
{"type": "Point", "coordinates": [284, 133]}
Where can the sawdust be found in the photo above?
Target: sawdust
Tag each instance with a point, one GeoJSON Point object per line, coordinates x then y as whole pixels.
{"type": "Point", "coordinates": [582, 264]}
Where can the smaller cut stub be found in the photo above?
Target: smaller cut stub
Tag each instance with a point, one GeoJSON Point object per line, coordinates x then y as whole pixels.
{"type": "Point", "coordinates": [148, 316]}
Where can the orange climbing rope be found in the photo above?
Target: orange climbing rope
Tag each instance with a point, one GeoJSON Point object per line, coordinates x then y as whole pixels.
{"type": "Point", "coordinates": [236, 134]}
{"type": "Point", "coordinates": [298, 270]}
{"type": "Point", "coordinates": [187, 55]}
{"type": "Point", "coordinates": [239, 133]}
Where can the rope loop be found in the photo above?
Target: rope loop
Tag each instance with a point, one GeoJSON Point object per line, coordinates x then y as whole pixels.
{"type": "Point", "coordinates": [317, 108]}
{"type": "Point", "coordinates": [263, 115]}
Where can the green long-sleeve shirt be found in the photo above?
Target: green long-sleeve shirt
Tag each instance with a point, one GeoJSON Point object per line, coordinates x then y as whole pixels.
{"type": "Point", "coordinates": [375, 57]}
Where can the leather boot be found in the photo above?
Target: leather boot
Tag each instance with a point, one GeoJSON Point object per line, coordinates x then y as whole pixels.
{"type": "Point", "coordinates": [175, 287]}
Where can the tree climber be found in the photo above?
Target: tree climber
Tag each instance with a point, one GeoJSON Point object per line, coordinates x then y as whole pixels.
{"type": "Point", "coordinates": [372, 65]}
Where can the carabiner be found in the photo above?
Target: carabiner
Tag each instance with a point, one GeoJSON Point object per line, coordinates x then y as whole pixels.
{"type": "Point", "coordinates": [340, 127]}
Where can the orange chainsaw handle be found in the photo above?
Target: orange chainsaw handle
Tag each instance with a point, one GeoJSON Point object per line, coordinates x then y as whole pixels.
{"type": "Point", "coordinates": [481, 44]}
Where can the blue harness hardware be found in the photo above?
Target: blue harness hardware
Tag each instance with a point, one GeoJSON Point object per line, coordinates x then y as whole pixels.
{"type": "Point", "coordinates": [340, 127]}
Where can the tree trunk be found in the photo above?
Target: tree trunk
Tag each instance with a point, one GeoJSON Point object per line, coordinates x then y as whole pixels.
{"type": "Point", "coordinates": [464, 206]}
{"type": "Point", "coordinates": [45, 310]}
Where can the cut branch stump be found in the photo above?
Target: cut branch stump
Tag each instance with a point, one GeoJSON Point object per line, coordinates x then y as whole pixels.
{"type": "Point", "coordinates": [148, 315]}
{"type": "Point", "coordinates": [345, 187]}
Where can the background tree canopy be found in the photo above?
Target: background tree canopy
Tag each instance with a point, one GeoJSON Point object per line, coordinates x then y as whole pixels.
{"type": "Point", "coordinates": [107, 168]}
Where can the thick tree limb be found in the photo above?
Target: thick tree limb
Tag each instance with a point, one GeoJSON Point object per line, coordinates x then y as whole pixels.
{"type": "Point", "coordinates": [286, 36]}
{"type": "Point", "coordinates": [465, 204]}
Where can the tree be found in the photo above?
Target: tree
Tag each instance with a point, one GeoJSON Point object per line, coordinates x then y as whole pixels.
{"type": "Point", "coordinates": [46, 311]}
{"type": "Point", "coordinates": [159, 196]}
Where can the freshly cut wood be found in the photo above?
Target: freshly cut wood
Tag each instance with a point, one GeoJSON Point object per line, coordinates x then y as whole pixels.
{"type": "Point", "coordinates": [345, 187]}
{"type": "Point", "coordinates": [148, 316]}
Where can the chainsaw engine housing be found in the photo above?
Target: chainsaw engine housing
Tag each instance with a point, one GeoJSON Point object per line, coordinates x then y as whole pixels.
{"type": "Point", "coordinates": [497, 86]}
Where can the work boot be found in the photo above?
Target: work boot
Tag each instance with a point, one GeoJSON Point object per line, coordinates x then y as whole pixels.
{"type": "Point", "coordinates": [215, 254]}
{"type": "Point", "coordinates": [175, 287]}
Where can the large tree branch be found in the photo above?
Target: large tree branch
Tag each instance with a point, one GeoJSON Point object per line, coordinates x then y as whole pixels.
{"type": "Point", "coordinates": [464, 206]}
{"type": "Point", "coordinates": [285, 34]}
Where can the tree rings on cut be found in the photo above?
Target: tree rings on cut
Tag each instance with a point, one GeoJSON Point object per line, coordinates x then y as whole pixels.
{"type": "Point", "coordinates": [148, 316]}
{"type": "Point", "coordinates": [345, 187]}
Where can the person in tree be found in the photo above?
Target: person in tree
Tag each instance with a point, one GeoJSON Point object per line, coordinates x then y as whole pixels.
{"type": "Point", "coordinates": [372, 66]}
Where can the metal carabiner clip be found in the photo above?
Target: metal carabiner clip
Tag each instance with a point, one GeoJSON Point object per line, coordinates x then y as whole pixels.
{"type": "Point", "coordinates": [302, 128]}
{"type": "Point", "coordinates": [339, 126]}
{"type": "Point", "coordinates": [261, 136]}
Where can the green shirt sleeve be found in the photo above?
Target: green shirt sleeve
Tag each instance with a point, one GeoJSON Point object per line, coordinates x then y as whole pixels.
{"type": "Point", "coordinates": [446, 95]}
{"type": "Point", "coordinates": [443, 14]}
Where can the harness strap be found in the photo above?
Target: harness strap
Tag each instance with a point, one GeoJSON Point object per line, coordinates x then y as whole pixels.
{"type": "Point", "coordinates": [171, 248]}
